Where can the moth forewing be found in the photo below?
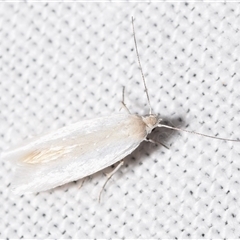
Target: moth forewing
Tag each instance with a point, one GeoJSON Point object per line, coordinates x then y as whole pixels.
{"type": "Point", "coordinates": [77, 151]}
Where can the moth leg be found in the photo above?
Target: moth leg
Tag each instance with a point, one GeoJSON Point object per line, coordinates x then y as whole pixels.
{"type": "Point", "coordinates": [123, 102]}
{"type": "Point", "coordinates": [109, 175]}
{"type": "Point", "coordinates": [153, 141]}
{"type": "Point", "coordinates": [82, 182]}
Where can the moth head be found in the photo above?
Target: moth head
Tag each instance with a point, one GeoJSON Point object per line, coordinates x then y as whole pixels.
{"type": "Point", "coordinates": [151, 121]}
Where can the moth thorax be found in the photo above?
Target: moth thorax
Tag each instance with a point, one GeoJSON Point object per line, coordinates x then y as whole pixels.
{"type": "Point", "coordinates": [151, 121]}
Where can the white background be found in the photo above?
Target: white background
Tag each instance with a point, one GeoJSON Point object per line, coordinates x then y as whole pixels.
{"type": "Point", "coordinates": [63, 62]}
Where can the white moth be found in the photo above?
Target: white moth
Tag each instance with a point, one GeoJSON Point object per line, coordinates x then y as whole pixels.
{"type": "Point", "coordinates": [81, 149]}
{"type": "Point", "coordinates": [78, 150]}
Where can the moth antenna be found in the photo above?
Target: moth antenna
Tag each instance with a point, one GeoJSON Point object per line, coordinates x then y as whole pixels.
{"type": "Point", "coordinates": [201, 134]}
{"type": "Point", "coordinates": [140, 66]}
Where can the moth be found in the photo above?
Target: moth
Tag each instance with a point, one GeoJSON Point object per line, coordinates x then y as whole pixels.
{"type": "Point", "coordinates": [84, 148]}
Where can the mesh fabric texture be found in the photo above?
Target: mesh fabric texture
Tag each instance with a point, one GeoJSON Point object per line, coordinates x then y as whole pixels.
{"type": "Point", "coordinates": [63, 62]}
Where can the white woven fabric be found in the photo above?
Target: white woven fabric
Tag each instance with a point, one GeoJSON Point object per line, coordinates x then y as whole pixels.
{"type": "Point", "coordinates": [62, 62]}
